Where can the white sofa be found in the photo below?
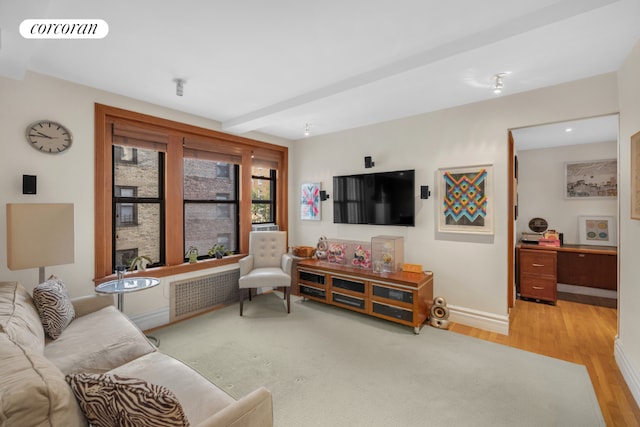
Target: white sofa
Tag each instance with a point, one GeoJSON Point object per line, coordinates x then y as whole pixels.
{"type": "Point", "coordinates": [100, 339]}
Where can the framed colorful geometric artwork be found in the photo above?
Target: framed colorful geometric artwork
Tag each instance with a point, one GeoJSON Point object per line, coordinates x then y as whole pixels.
{"type": "Point", "coordinates": [310, 201]}
{"type": "Point", "coordinates": [465, 202]}
{"type": "Point", "coordinates": [597, 230]}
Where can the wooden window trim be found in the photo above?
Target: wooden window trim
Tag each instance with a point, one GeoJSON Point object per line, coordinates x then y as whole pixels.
{"type": "Point", "coordinates": [176, 133]}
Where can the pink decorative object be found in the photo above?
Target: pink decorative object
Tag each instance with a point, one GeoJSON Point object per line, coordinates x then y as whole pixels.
{"type": "Point", "coordinates": [361, 257]}
{"type": "Point", "coordinates": [336, 253]}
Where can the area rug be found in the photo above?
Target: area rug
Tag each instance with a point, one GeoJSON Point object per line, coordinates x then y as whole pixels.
{"type": "Point", "coordinates": [332, 367]}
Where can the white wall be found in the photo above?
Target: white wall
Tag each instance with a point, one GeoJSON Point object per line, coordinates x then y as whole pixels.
{"type": "Point", "coordinates": [470, 273]}
{"type": "Point", "coordinates": [628, 342]}
{"type": "Point", "coordinates": [541, 188]}
{"type": "Point", "coordinates": [68, 177]}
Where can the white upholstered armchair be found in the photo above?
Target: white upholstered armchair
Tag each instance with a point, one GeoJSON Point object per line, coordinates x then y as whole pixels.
{"type": "Point", "coordinates": [267, 265]}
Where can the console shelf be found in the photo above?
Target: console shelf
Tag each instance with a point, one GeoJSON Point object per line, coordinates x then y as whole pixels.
{"type": "Point", "coordinates": [400, 297]}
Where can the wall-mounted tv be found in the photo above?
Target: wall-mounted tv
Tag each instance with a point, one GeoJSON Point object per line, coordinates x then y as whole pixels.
{"type": "Point", "coordinates": [383, 198]}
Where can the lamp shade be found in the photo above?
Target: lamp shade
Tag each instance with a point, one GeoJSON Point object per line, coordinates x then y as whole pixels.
{"type": "Point", "coordinates": [39, 235]}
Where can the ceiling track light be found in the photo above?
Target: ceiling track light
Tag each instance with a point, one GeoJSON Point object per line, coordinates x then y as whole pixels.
{"type": "Point", "coordinates": [179, 86]}
{"type": "Point", "coordinates": [307, 132]}
{"type": "Point", "coordinates": [498, 83]}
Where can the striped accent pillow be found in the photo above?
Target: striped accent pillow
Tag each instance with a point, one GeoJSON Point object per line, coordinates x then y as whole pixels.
{"type": "Point", "coordinates": [54, 306]}
{"type": "Point", "coordinates": [110, 400]}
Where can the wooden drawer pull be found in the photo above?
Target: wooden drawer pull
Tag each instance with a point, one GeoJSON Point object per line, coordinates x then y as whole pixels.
{"type": "Point", "coordinates": [538, 265]}
{"type": "Point", "coordinates": [538, 288]}
{"type": "Point", "coordinates": [581, 255]}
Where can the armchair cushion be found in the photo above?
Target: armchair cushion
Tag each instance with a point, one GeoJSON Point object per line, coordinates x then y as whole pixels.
{"type": "Point", "coordinates": [265, 277]}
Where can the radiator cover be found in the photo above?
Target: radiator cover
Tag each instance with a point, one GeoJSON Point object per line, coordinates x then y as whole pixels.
{"type": "Point", "coordinates": [198, 294]}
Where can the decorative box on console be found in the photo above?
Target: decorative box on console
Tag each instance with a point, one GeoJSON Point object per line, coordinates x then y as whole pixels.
{"type": "Point", "coordinates": [337, 251]}
{"type": "Point", "coordinates": [387, 253]}
{"type": "Point", "coordinates": [360, 254]}
{"type": "Point", "coordinates": [349, 252]}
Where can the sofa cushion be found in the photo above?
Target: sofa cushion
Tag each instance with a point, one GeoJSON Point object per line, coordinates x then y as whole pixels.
{"type": "Point", "coordinates": [33, 392]}
{"type": "Point", "coordinates": [97, 342]}
{"type": "Point", "coordinates": [54, 306]}
{"type": "Point", "coordinates": [19, 318]}
{"type": "Point", "coordinates": [198, 396]}
{"type": "Point", "coordinates": [111, 400]}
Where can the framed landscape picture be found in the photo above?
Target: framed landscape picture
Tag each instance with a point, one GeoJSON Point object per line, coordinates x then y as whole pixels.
{"type": "Point", "coordinates": [465, 202]}
{"type": "Point", "coordinates": [597, 230]}
{"type": "Point", "coordinates": [591, 179]}
{"type": "Point", "coordinates": [310, 201]}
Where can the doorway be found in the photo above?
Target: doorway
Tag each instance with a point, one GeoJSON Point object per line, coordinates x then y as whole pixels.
{"type": "Point", "coordinates": [540, 158]}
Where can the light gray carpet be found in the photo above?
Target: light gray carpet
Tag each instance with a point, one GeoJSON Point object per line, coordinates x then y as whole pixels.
{"type": "Point", "coordinates": [331, 367]}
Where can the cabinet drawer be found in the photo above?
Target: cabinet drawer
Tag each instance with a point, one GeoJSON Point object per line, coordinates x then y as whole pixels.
{"type": "Point", "coordinates": [310, 291]}
{"type": "Point", "coordinates": [348, 284]}
{"type": "Point", "coordinates": [310, 277]}
{"type": "Point", "coordinates": [538, 287]}
{"type": "Point", "coordinates": [392, 293]}
{"type": "Point", "coordinates": [538, 262]}
{"type": "Point", "coordinates": [348, 300]}
{"type": "Point", "coordinates": [391, 311]}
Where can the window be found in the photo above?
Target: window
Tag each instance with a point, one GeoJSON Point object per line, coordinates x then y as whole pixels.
{"type": "Point", "coordinates": [161, 185]}
{"type": "Point", "coordinates": [126, 154]}
{"type": "Point", "coordinates": [126, 213]}
{"type": "Point", "coordinates": [125, 256]}
{"type": "Point", "coordinates": [138, 197]}
{"type": "Point", "coordinates": [222, 170]}
{"type": "Point", "coordinates": [263, 184]}
{"type": "Point", "coordinates": [210, 203]}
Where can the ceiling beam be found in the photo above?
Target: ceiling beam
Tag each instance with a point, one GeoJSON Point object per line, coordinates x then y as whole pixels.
{"type": "Point", "coordinates": [548, 15]}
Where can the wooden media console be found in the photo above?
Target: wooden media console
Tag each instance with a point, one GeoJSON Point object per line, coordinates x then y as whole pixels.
{"type": "Point", "coordinates": [400, 297]}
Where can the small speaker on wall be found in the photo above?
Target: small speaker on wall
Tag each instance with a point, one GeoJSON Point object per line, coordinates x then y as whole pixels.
{"type": "Point", "coordinates": [368, 162]}
{"type": "Point", "coordinates": [424, 192]}
{"type": "Point", "coordinates": [29, 184]}
{"type": "Point", "coordinates": [323, 195]}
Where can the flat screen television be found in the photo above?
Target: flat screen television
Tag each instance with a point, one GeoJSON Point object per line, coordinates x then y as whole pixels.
{"type": "Point", "coordinates": [383, 198]}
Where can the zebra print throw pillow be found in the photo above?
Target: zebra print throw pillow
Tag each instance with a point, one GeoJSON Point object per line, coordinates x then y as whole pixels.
{"type": "Point", "coordinates": [111, 400]}
{"type": "Point", "coordinates": [54, 306]}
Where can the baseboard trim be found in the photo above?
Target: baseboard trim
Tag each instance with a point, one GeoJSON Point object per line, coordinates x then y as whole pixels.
{"type": "Point", "coordinates": [627, 370]}
{"type": "Point", "coordinates": [152, 319]}
{"type": "Point", "coordinates": [479, 319]}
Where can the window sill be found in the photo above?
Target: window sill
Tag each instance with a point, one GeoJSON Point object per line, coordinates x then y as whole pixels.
{"type": "Point", "coordinates": [172, 270]}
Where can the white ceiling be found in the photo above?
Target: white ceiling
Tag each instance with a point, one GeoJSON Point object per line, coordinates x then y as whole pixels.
{"type": "Point", "coordinates": [574, 132]}
{"type": "Point", "coordinates": [272, 66]}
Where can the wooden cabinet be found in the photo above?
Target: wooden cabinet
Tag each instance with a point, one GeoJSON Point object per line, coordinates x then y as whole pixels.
{"type": "Point", "coordinates": [399, 297]}
{"type": "Point", "coordinates": [594, 270]}
{"type": "Point", "coordinates": [578, 265]}
{"type": "Point", "coordinates": [538, 278]}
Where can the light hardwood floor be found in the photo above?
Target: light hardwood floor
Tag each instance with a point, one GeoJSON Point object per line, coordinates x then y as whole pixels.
{"type": "Point", "coordinates": [578, 333]}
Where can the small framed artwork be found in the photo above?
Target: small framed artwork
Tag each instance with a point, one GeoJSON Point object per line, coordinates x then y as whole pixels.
{"type": "Point", "coordinates": [635, 176]}
{"type": "Point", "coordinates": [310, 201]}
{"type": "Point", "coordinates": [591, 179]}
{"type": "Point", "coordinates": [597, 230]}
{"type": "Point", "coordinates": [465, 202]}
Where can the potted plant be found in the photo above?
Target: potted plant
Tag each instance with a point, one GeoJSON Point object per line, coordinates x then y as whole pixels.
{"type": "Point", "coordinates": [140, 263]}
{"type": "Point", "coordinates": [218, 250]}
{"type": "Point", "coordinates": [192, 254]}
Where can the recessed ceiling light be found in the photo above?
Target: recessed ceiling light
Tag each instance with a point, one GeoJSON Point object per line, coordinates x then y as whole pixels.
{"type": "Point", "coordinates": [568, 130]}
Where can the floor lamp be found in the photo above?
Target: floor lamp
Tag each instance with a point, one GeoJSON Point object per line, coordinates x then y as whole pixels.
{"type": "Point", "coordinates": [39, 235]}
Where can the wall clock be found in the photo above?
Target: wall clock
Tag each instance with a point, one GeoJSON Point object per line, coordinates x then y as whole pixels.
{"type": "Point", "coordinates": [49, 137]}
